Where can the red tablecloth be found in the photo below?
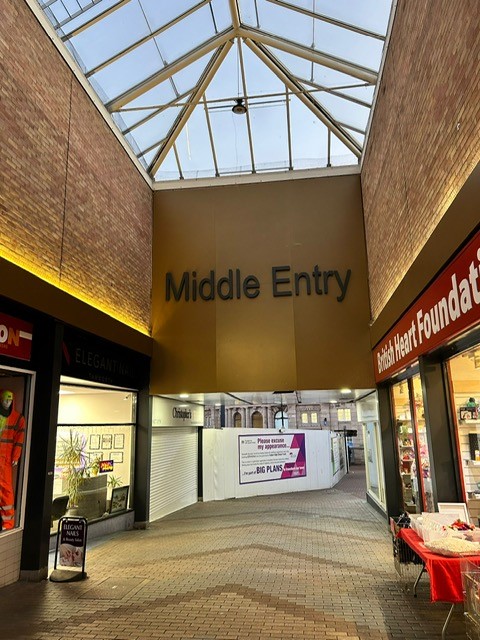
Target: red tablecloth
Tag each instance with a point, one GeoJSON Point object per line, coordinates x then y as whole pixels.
{"type": "Point", "coordinates": [445, 573]}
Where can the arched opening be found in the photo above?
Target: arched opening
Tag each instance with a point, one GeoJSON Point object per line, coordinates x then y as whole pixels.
{"type": "Point", "coordinates": [237, 420]}
{"type": "Point", "coordinates": [257, 420]}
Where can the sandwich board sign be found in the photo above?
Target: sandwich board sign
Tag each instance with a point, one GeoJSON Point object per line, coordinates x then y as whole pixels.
{"type": "Point", "coordinates": [70, 551]}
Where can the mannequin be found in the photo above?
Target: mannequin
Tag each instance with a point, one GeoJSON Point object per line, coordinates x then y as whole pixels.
{"type": "Point", "coordinates": [12, 435]}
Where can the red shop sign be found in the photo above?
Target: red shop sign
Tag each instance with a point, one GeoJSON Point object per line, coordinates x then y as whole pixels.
{"type": "Point", "coordinates": [15, 337]}
{"type": "Point", "coordinates": [450, 305]}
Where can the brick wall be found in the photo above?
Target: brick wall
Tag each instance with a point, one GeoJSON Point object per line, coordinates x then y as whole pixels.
{"type": "Point", "coordinates": [74, 209]}
{"type": "Point", "coordinates": [424, 140]}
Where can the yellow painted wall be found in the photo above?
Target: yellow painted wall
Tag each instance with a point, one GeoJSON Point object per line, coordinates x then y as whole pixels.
{"type": "Point", "coordinates": [266, 343]}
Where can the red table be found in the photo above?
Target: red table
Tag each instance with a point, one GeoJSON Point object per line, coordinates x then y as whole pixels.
{"type": "Point", "coordinates": [445, 573]}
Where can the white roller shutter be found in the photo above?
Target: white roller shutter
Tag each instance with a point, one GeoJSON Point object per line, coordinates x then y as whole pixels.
{"type": "Point", "coordinates": [174, 470]}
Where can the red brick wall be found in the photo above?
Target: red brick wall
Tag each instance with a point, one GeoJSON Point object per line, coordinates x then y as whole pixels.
{"type": "Point", "coordinates": [424, 140]}
{"type": "Point", "coordinates": [74, 208]}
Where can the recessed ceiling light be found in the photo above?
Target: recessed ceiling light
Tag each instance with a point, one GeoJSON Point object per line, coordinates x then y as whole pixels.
{"type": "Point", "coordinates": [184, 395]}
{"type": "Point", "coordinates": [345, 390]}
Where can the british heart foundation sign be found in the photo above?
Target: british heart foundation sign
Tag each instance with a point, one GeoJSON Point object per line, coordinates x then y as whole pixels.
{"type": "Point", "coordinates": [450, 305]}
{"type": "Point", "coordinates": [15, 337]}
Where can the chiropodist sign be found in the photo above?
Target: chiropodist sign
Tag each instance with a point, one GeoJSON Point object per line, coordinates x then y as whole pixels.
{"type": "Point", "coordinates": [450, 305]}
{"type": "Point", "coordinates": [271, 457]}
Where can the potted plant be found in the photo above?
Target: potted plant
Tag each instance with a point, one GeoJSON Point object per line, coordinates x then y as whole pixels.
{"type": "Point", "coordinates": [113, 481]}
{"type": "Point", "coordinates": [74, 460]}
{"type": "Point", "coordinates": [94, 467]}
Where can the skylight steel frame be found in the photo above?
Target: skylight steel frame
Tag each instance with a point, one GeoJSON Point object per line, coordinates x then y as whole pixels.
{"type": "Point", "coordinates": [260, 42]}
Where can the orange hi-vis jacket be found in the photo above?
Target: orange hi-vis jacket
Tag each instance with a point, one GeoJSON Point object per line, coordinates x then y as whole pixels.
{"type": "Point", "coordinates": [12, 436]}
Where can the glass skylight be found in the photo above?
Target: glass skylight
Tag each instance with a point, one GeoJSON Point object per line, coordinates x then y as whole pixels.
{"type": "Point", "coordinates": [170, 73]}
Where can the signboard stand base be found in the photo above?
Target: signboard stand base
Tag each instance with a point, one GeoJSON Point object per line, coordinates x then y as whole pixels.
{"type": "Point", "coordinates": [64, 575]}
{"type": "Point", "coordinates": [70, 550]}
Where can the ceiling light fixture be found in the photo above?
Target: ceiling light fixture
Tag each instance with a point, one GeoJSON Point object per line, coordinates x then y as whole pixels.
{"type": "Point", "coordinates": [239, 108]}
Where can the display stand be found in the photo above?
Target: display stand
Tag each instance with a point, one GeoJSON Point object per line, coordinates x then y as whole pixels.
{"type": "Point", "coordinates": [70, 550]}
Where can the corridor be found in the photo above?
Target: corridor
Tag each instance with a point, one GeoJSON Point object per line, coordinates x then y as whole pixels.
{"type": "Point", "coordinates": [308, 565]}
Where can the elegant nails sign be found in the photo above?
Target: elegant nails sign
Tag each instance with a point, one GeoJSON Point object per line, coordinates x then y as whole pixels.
{"type": "Point", "coordinates": [450, 305]}
{"type": "Point", "coordinates": [15, 337]}
{"type": "Point", "coordinates": [192, 286]}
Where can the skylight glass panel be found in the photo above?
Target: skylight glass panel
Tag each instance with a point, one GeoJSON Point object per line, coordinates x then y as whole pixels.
{"type": "Point", "coordinates": [226, 83]}
{"type": "Point", "coordinates": [260, 79]}
{"type": "Point", "coordinates": [156, 129]}
{"type": "Point", "coordinates": [189, 76]}
{"type": "Point", "coordinates": [288, 24]}
{"type": "Point", "coordinates": [193, 147]}
{"type": "Point", "coordinates": [309, 137]}
{"type": "Point", "coordinates": [347, 45]}
{"type": "Point", "coordinates": [340, 154]}
{"type": "Point", "coordinates": [169, 169]}
{"type": "Point", "coordinates": [248, 13]}
{"type": "Point", "coordinates": [297, 66]}
{"type": "Point", "coordinates": [367, 14]}
{"type": "Point", "coordinates": [126, 119]}
{"type": "Point", "coordinates": [160, 12]}
{"type": "Point", "coordinates": [57, 13]}
{"type": "Point", "coordinates": [221, 12]}
{"type": "Point", "coordinates": [268, 121]}
{"type": "Point", "coordinates": [230, 137]}
{"type": "Point", "coordinates": [186, 35]}
{"type": "Point", "coordinates": [364, 93]}
{"type": "Point", "coordinates": [110, 35]}
{"type": "Point", "coordinates": [132, 69]}
{"type": "Point", "coordinates": [345, 111]}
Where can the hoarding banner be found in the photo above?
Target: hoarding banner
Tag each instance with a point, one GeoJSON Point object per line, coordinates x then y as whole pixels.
{"type": "Point", "coordinates": [15, 337]}
{"type": "Point", "coordinates": [450, 305]}
{"type": "Point", "coordinates": [271, 457]}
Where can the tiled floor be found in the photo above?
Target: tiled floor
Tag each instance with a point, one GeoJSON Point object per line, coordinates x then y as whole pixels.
{"type": "Point", "coordinates": [307, 565]}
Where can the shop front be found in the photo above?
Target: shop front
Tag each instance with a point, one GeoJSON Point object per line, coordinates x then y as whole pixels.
{"type": "Point", "coordinates": [94, 471]}
{"type": "Point", "coordinates": [73, 415]}
{"type": "Point", "coordinates": [427, 370]}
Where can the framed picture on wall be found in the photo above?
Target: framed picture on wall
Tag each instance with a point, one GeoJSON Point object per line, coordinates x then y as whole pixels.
{"type": "Point", "coordinates": [118, 441]}
{"type": "Point", "coordinates": [117, 456]}
{"type": "Point", "coordinates": [119, 499]}
{"type": "Point", "coordinates": [107, 439]}
{"type": "Point", "coordinates": [94, 442]}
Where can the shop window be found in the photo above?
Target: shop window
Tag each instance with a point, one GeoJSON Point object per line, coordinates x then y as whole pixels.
{"type": "Point", "coordinates": [94, 448]}
{"type": "Point", "coordinates": [14, 398]}
{"type": "Point", "coordinates": [304, 417]}
{"type": "Point", "coordinates": [464, 371]}
{"type": "Point", "coordinates": [237, 420]}
{"type": "Point", "coordinates": [257, 420]}
{"type": "Point", "coordinates": [281, 420]}
{"type": "Point", "coordinates": [344, 415]}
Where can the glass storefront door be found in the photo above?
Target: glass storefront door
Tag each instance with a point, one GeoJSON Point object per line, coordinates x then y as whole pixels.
{"type": "Point", "coordinates": [413, 454]}
{"type": "Point", "coordinates": [424, 471]}
{"type": "Point", "coordinates": [406, 447]}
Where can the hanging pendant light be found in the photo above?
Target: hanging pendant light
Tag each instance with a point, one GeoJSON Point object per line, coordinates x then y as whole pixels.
{"type": "Point", "coordinates": [239, 108]}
